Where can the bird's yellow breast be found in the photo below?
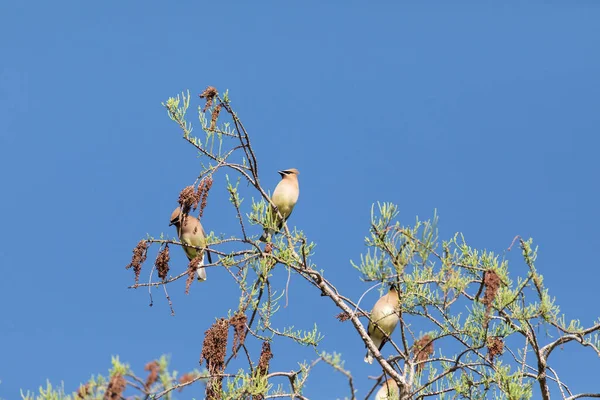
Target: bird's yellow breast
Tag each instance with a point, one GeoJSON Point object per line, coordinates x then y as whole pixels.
{"type": "Point", "coordinates": [386, 317]}
{"type": "Point", "coordinates": [194, 240]}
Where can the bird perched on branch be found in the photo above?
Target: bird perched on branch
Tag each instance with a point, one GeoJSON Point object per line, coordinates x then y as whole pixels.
{"type": "Point", "coordinates": [284, 197]}
{"type": "Point", "coordinates": [384, 316]}
{"type": "Point", "coordinates": [389, 391]}
{"type": "Point", "coordinates": [190, 231]}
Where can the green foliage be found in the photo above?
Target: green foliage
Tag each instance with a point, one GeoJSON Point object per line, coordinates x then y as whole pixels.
{"type": "Point", "coordinates": [470, 325]}
{"type": "Point", "coordinates": [96, 387]}
{"type": "Point", "coordinates": [48, 393]}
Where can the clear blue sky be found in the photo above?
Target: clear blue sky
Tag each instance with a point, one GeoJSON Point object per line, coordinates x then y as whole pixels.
{"type": "Point", "coordinates": [487, 111]}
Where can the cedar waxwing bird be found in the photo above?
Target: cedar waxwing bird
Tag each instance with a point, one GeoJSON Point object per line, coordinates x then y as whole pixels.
{"type": "Point", "coordinates": [190, 232]}
{"type": "Point", "coordinates": [284, 197]}
{"type": "Point", "coordinates": [385, 314]}
{"type": "Point", "coordinates": [389, 391]}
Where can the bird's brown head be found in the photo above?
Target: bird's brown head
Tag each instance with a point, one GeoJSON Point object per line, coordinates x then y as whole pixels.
{"type": "Point", "coordinates": [175, 217]}
{"type": "Point", "coordinates": [292, 172]}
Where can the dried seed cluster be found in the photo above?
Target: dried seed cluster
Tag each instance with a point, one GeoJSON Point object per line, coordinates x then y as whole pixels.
{"type": "Point", "coordinates": [263, 366]}
{"type": "Point", "coordinates": [202, 193]}
{"type": "Point", "coordinates": [495, 347]}
{"type": "Point", "coordinates": [238, 322]}
{"type": "Point", "coordinates": [84, 390]}
{"type": "Point", "coordinates": [269, 248]}
{"type": "Point", "coordinates": [186, 378]}
{"type": "Point", "coordinates": [187, 198]}
{"type": "Point", "coordinates": [115, 388]}
{"type": "Point", "coordinates": [191, 272]}
{"type": "Point", "coordinates": [215, 116]}
{"type": "Point", "coordinates": [139, 256]}
{"type": "Point", "coordinates": [422, 349]}
{"type": "Point", "coordinates": [265, 357]}
{"type": "Point", "coordinates": [343, 316]}
{"type": "Point", "coordinates": [214, 349]}
{"type": "Point", "coordinates": [491, 281]}
{"type": "Point", "coordinates": [162, 263]}
{"type": "Point", "coordinates": [209, 94]}
{"type": "Point", "coordinates": [153, 369]}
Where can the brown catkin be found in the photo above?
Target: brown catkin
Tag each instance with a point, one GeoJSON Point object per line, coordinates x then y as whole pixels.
{"type": "Point", "coordinates": [214, 349]}
{"type": "Point", "coordinates": [495, 347]}
{"type": "Point", "coordinates": [115, 387]}
{"type": "Point", "coordinates": [422, 349]}
{"type": "Point", "coordinates": [209, 94]}
{"type": "Point", "coordinates": [186, 378]}
{"type": "Point", "coordinates": [191, 272]}
{"type": "Point", "coordinates": [162, 263]}
{"type": "Point", "coordinates": [238, 322]}
{"type": "Point", "coordinates": [202, 193]}
{"type": "Point", "coordinates": [491, 281]}
{"type": "Point", "coordinates": [215, 116]}
{"type": "Point", "coordinates": [139, 256]}
{"type": "Point", "coordinates": [186, 199]}
{"type": "Point", "coordinates": [153, 368]}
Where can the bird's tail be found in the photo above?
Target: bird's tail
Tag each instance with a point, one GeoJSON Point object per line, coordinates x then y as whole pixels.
{"type": "Point", "coordinates": [369, 357]}
{"type": "Point", "coordinates": [266, 236]}
{"type": "Point", "coordinates": [201, 271]}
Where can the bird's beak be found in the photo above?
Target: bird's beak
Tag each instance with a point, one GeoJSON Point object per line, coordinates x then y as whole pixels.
{"type": "Point", "coordinates": [170, 223]}
{"type": "Point", "coordinates": [281, 173]}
